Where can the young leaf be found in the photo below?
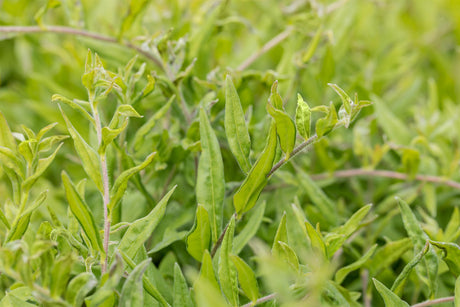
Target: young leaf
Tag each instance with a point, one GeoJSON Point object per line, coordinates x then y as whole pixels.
{"type": "Point", "coordinates": [227, 272]}
{"type": "Point", "coordinates": [140, 230]}
{"type": "Point", "coordinates": [326, 124]}
{"type": "Point", "coordinates": [182, 296]}
{"type": "Point", "coordinates": [235, 127]}
{"type": "Point", "coordinates": [210, 187]}
{"type": "Point", "coordinates": [79, 287]}
{"type": "Point", "coordinates": [451, 255]}
{"type": "Point", "coordinates": [303, 118]}
{"type": "Point", "coordinates": [285, 127]}
{"type": "Point", "coordinates": [399, 282]}
{"type": "Point", "coordinates": [248, 193]}
{"type": "Point", "coordinates": [82, 213]}
{"type": "Point", "coordinates": [428, 268]}
{"type": "Point", "coordinates": [344, 271]}
{"type": "Point", "coordinates": [132, 293]}
{"type": "Point", "coordinates": [108, 135]}
{"type": "Point", "coordinates": [346, 100]}
{"type": "Point", "coordinates": [281, 233]}
{"type": "Point", "coordinates": [207, 271]}
{"type": "Point", "coordinates": [246, 278]}
{"type": "Point", "coordinates": [120, 185]}
{"type": "Point", "coordinates": [6, 137]}
{"type": "Point", "coordinates": [317, 242]}
{"type": "Point", "coordinates": [250, 229]}
{"type": "Point", "coordinates": [73, 105]}
{"type": "Point", "coordinates": [199, 238]}
{"type": "Point", "coordinates": [390, 299]}
{"type": "Point", "coordinates": [87, 154]}
{"type": "Point", "coordinates": [9, 159]}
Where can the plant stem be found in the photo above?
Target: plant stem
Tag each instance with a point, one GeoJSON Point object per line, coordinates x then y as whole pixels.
{"type": "Point", "coordinates": [83, 33]}
{"type": "Point", "coordinates": [296, 150]}
{"type": "Point", "coordinates": [435, 301]}
{"type": "Point", "coordinates": [261, 300]}
{"type": "Point", "coordinates": [387, 174]}
{"type": "Point", "coordinates": [106, 192]}
{"type": "Point", "coordinates": [265, 48]}
{"type": "Point", "coordinates": [219, 240]}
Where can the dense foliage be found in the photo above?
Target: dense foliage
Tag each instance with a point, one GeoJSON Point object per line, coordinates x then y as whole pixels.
{"type": "Point", "coordinates": [215, 153]}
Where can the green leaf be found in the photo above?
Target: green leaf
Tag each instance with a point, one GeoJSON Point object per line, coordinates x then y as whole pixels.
{"type": "Point", "coordinates": [428, 268]}
{"type": "Point", "coordinates": [326, 124]}
{"type": "Point", "coordinates": [281, 233]}
{"type": "Point", "coordinates": [136, 7]}
{"type": "Point", "coordinates": [303, 118]}
{"type": "Point", "coordinates": [285, 127]}
{"type": "Point", "coordinates": [452, 231]}
{"type": "Point", "coordinates": [79, 287]}
{"type": "Point", "coordinates": [60, 274]}
{"type": "Point", "coordinates": [207, 271]}
{"type": "Point", "coordinates": [385, 256]}
{"type": "Point", "coordinates": [411, 161]}
{"type": "Point", "coordinates": [140, 230]}
{"type": "Point", "coordinates": [199, 238]}
{"type": "Point", "coordinates": [344, 271]}
{"type": "Point", "coordinates": [132, 293]}
{"type": "Point", "coordinates": [235, 127]}
{"type": "Point", "coordinates": [317, 242]}
{"type": "Point", "coordinates": [210, 187]}
{"type": "Point", "coordinates": [250, 229]}
{"type": "Point", "coordinates": [399, 282]}
{"type": "Point", "coordinates": [148, 286]}
{"type": "Point", "coordinates": [313, 45]}
{"type": "Point", "coordinates": [346, 100]}
{"type": "Point", "coordinates": [227, 272]}
{"type": "Point", "coordinates": [42, 165]}
{"type": "Point", "coordinates": [108, 135]}
{"type": "Point", "coordinates": [246, 278]}
{"type": "Point", "coordinates": [120, 185]}
{"type": "Point", "coordinates": [73, 105]}
{"type": "Point", "coordinates": [87, 154]}
{"type": "Point", "coordinates": [9, 159]}
{"type": "Point", "coordinates": [182, 296]}
{"type": "Point", "coordinates": [25, 149]}
{"type": "Point", "coordinates": [390, 299]}
{"type": "Point", "coordinates": [22, 221]}
{"type": "Point", "coordinates": [451, 255]}
{"type": "Point", "coordinates": [248, 193]}
{"type": "Point", "coordinates": [82, 213]}
{"type": "Point", "coordinates": [6, 137]}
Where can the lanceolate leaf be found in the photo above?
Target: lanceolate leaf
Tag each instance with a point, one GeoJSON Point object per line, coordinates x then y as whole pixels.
{"type": "Point", "coordinates": [390, 299]}
{"type": "Point", "coordinates": [235, 127]}
{"type": "Point", "coordinates": [285, 127]}
{"type": "Point", "coordinates": [9, 159]}
{"type": "Point", "coordinates": [250, 229]}
{"type": "Point", "coordinates": [343, 272]}
{"type": "Point", "coordinates": [120, 185]}
{"type": "Point", "coordinates": [87, 154]}
{"type": "Point", "coordinates": [451, 255]}
{"type": "Point", "coordinates": [227, 272]}
{"type": "Point", "coordinates": [303, 118]}
{"type": "Point", "coordinates": [210, 187]}
{"type": "Point", "coordinates": [198, 240]}
{"type": "Point", "coordinates": [140, 230]}
{"type": "Point", "coordinates": [181, 291]}
{"type": "Point", "coordinates": [248, 193]}
{"type": "Point", "coordinates": [79, 287]}
{"type": "Point", "coordinates": [82, 213]}
{"type": "Point", "coordinates": [207, 271]}
{"type": "Point", "coordinates": [132, 294]}
{"type": "Point", "coordinates": [428, 268]}
{"type": "Point", "coordinates": [246, 278]}
{"type": "Point", "coordinates": [6, 137]}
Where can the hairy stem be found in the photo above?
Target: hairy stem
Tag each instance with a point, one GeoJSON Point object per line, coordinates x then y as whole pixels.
{"type": "Point", "coordinates": [106, 192]}
{"type": "Point", "coordinates": [386, 174]}
{"type": "Point", "coordinates": [79, 32]}
{"type": "Point", "coordinates": [435, 301]}
{"type": "Point", "coordinates": [261, 300]}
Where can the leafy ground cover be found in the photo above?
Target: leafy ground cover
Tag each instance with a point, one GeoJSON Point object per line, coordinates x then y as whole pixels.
{"type": "Point", "coordinates": [216, 153]}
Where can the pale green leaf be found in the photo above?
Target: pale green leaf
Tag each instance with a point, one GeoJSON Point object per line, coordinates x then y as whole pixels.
{"type": "Point", "coordinates": [344, 271]}
{"type": "Point", "coordinates": [227, 272]}
{"type": "Point", "coordinates": [390, 299]}
{"type": "Point", "coordinates": [140, 230]}
{"type": "Point", "coordinates": [303, 118]}
{"type": "Point", "coordinates": [250, 229]}
{"type": "Point", "coordinates": [182, 296]}
{"type": "Point", "coordinates": [79, 287]}
{"type": "Point", "coordinates": [326, 124]}
{"type": "Point", "coordinates": [451, 255]}
{"type": "Point", "coordinates": [246, 196]}
{"type": "Point", "coordinates": [199, 238]}
{"type": "Point", "coordinates": [82, 213]}
{"type": "Point", "coordinates": [246, 278]}
{"type": "Point", "coordinates": [235, 127]}
{"type": "Point", "coordinates": [6, 137]}
{"type": "Point", "coordinates": [132, 293]}
{"type": "Point", "coordinates": [210, 186]}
